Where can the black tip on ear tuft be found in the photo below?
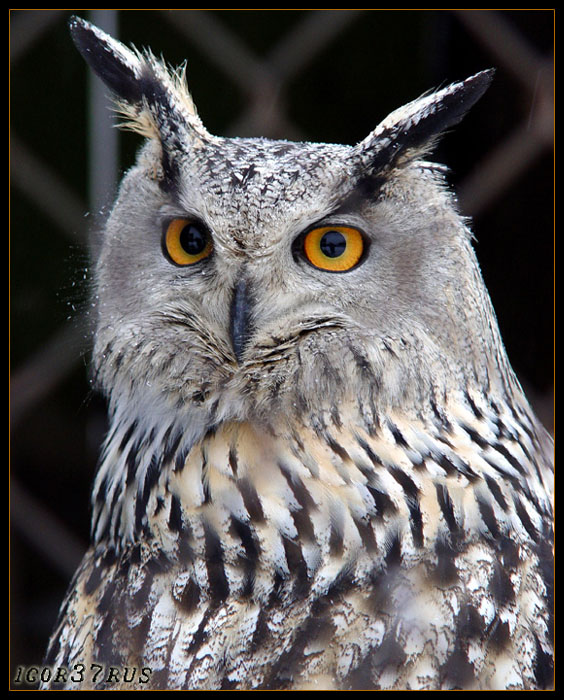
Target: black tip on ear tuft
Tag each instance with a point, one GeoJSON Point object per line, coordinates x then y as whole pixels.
{"type": "Point", "coordinates": [448, 108]}
{"type": "Point", "coordinates": [461, 97]}
{"type": "Point", "coordinates": [115, 64]}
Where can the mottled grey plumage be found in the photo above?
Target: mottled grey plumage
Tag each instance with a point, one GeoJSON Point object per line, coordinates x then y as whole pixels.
{"type": "Point", "coordinates": [312, 479]}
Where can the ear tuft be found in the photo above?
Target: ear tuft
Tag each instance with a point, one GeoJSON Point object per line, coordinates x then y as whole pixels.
{"type": "Point", "coordinates": [154, 101]}
{"type": "Point", "coordinates": [411, 130]}
{"type": "Point", "coordinates": [117, 66]}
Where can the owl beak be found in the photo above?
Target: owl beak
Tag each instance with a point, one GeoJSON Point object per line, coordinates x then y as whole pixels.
{"type": "Point", "coordinates": [240, 318]}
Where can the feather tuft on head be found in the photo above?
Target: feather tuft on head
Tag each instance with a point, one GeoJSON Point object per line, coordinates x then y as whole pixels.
{"type": "Point", "coordinates": [152, 99]}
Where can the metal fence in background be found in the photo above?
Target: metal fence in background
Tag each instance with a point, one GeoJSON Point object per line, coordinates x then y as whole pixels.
{"type": "Point", "coordinates": [269, 73]}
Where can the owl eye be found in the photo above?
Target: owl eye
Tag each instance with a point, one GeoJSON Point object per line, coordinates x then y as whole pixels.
{"type": "Point", "coordinates": [334, 248]}
{"type": "Point", "coordinates": [187, 243]}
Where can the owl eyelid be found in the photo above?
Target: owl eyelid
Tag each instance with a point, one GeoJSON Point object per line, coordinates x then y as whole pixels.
{"type": "Point", "coordinates": [336, 224]}
{"type": "Point", "coordinates": [167, 219]}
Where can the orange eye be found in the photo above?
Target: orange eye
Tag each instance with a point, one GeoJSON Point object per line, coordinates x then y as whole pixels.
{"type": "Point", "coordinates": [334, 248]}
{"type": "Point", "coordinates": [186, 242]}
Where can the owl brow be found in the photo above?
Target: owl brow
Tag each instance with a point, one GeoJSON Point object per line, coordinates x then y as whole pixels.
{"type": "Point", "coordinates": [366, 187]}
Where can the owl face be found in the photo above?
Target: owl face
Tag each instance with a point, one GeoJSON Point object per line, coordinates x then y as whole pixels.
{"type": "Point", "coordinates": [272, 269]}
{"type": "Point", "coordinates": [248, 275]}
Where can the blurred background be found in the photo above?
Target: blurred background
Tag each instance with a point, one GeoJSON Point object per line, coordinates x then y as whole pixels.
{"type": "Point", "coordinates": [317, 75]}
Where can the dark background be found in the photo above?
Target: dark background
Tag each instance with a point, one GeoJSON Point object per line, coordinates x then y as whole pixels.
{"type": "Point", "coordinates": [322, 76]}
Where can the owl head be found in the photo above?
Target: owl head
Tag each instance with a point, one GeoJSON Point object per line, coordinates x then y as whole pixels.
{"type": "Point", "coordinates": [247, 276]}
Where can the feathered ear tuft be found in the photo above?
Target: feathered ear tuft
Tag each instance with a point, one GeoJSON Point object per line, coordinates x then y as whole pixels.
{"type": "Point", "coordinates": [410, 131]}
{"type": "Point", "coordinates": [153, 100]}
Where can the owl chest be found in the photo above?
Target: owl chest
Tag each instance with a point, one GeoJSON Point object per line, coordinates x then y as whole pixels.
{"type": "Point", "coordinates": [189, 626]}
{"type": "Point", "coordinates": [251, 561]}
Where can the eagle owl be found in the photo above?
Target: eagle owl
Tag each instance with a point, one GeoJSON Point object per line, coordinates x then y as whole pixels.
{"type": "Point", "coordinates": [320, 470]}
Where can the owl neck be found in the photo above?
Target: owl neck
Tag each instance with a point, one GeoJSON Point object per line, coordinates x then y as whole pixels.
{"type": "Point", "coordinates": [245, 506]}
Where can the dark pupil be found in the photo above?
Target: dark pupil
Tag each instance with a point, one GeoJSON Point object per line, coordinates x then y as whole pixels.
{"type": "Point", "coordinates": [192, 240]}
{"type": "Point", "coordinates": [333, 244]}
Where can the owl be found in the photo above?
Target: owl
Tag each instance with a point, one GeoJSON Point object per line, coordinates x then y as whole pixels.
{"type": "Point", "coordinates": [320, 470]}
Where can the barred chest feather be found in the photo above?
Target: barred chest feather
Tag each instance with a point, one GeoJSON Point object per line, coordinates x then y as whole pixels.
{"type": "Point", "coordinates": [349, 554]}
